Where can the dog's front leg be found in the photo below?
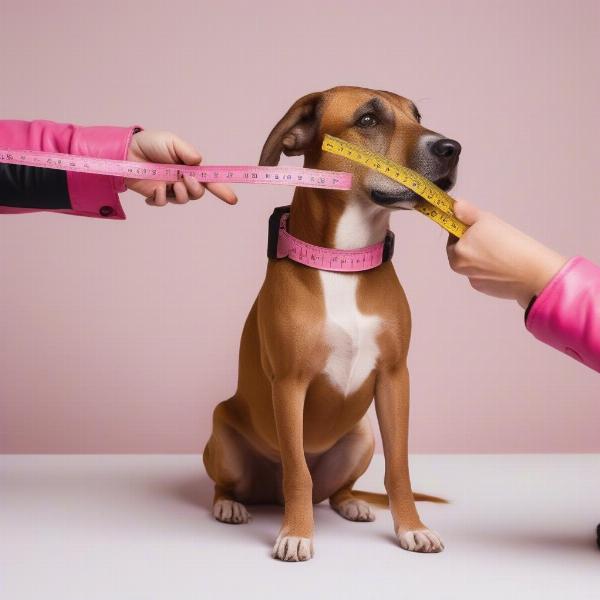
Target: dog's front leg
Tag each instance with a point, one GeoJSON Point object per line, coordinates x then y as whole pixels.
{"type": "Point", "coordinates": [391, 403]}
{"type": "Point", "coordinates": [295, 538]}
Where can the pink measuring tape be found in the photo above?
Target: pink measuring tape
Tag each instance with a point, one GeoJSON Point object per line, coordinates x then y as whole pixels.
{"type": "Point", "coordinates": [280, 175]}
{"type": "Point", "coordinates": [284, 245]}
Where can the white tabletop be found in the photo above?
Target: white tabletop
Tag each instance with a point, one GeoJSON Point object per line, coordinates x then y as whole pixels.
{"type": "Point", "coordinates": [138, 527]}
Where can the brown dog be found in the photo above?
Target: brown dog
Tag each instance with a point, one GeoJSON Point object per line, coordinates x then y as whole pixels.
{"type": "Point", "coordinates": [318, 346]}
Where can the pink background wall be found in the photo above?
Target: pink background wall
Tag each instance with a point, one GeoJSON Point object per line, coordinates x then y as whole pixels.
{"type": "Point", "coordinates": [120, 337]}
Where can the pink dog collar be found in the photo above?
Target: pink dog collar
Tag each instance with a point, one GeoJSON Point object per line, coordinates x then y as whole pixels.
{"type": "Point", "coordinates": [282, 244]}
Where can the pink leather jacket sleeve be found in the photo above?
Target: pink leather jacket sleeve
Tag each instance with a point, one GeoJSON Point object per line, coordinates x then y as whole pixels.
{"type": "Point", "coordinates": [90, 195]}
{"type": "Point", "coordinates": [566, 314]}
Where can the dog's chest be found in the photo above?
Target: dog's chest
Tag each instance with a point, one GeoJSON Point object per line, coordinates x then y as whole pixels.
{"type": "Point", "coordinates": [350, 334]}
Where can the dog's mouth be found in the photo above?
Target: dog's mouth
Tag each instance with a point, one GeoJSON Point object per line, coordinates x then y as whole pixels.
{"type": "Point", "coordinates": [406, 199]}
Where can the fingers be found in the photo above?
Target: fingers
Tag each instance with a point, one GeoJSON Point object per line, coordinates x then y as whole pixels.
{"type": "Point", "coordinates": [194, 188]}
{"type": "Point", "coordinates": [185, 152]}
{"type": "Point", "coordinates": [222, 191]}
{"type": "Point", "coordinates": [451, 250]}
{"type": "Point", "coordinates": [452, 239]}
{"type": "Point", "coordinates": [454, 259]}
{"type": "Point", "coordinates": [478, 284]}
{"type": "Point", "coordinates": [469, 214]}
{"type": "Point", "coordinates": [179, 192]}
{"type": "Point", "coordinates": [457, 260]}
{"type": "Point", "coordinates": [466, 212]}
{"type": "Point", "coordinates": [459, 256]}
{"type": "Point", "coordinates": [159, 196]}
{"type": "Point", "coordinates": [187, 189]}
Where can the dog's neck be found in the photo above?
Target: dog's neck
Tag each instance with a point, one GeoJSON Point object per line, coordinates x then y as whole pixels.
{"type": "Point", "coordinates": [336, 219]}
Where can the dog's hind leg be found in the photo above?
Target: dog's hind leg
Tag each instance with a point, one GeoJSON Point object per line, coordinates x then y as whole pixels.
{"type": "Point", "coordinates": [228, 510]}
{"type": "Point", "coordinates": [337, 470]}
{"type": "Point", "coordinates": [225, 458]}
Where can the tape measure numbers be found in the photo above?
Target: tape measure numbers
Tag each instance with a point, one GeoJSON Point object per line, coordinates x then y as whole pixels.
{"type": "Point", "coordinates": [436, 204]}
{"type": "Point", "coordinates": [280, 175]}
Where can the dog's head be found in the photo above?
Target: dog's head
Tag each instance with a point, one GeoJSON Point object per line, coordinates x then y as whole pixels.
{"type": "Point", "coordinates": [381, 121]}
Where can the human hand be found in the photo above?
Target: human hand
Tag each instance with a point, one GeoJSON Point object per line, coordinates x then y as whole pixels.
{"type": "Point", "coordinates": [498, 259]}
{"type": "Point", "coordinates": [166, 147]}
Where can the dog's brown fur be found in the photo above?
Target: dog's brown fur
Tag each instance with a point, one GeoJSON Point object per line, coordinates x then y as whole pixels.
{"type": "Point", "coordinates": [289, 435]}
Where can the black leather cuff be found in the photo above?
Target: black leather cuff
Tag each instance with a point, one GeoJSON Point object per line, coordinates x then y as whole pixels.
{"type": "Point", "coordinates": [33, 187]}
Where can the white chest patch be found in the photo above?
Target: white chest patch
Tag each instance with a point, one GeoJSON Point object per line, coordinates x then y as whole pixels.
{"type": "Point", "coordinates": [350, 334]}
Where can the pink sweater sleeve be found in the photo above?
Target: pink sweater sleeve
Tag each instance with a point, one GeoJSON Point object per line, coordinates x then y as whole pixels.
{"type": "Point", "coordinates": [566, 314]}
{"type": "Point", "coordinates": [90, 195]}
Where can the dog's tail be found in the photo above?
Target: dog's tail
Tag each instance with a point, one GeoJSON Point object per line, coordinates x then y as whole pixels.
{"type": "Point", "coordinates": [383, 499]}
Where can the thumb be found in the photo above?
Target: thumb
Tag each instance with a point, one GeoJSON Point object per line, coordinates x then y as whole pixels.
{"type": "Point", "coordinates": [185, 152]}
{"type": "Point", "coordinates": [466, 212]}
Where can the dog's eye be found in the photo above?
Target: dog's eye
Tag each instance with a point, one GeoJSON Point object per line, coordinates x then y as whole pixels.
{"type": "Point", "coordinates": [368, 120]}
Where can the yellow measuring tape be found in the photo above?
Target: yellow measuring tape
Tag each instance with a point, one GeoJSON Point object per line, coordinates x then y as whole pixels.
{"type": "Point", "coordinates": [436, 204]}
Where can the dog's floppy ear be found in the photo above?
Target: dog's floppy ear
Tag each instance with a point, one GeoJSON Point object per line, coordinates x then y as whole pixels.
{"type": "Point", "coordinates": [295, 131]}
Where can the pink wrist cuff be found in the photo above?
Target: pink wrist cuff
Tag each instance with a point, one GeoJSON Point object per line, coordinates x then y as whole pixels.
{"type": "Point", "coordinates": [98, 195]}
{"type": "Point", "coordinates": [566, 313]}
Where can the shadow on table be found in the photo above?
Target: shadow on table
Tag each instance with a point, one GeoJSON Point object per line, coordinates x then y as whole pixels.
{"type": "Point", "coordinates": [198, 491]}
{"type": "Point", "coordinates": [551, 540]}
{"type": "Point", "coordinates": [565, 543]}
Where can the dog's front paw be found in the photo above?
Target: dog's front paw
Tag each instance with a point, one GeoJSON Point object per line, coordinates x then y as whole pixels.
{"type": "Point", "coordinates": [420, 540]}
{"type": "Point", "coordinates": [230, 511]}
{"type": "Point", "coordinates": [293, 548]}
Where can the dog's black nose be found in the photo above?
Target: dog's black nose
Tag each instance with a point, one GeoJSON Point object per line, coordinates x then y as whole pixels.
{"type": "Point", "coordinates": [446, 148]}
